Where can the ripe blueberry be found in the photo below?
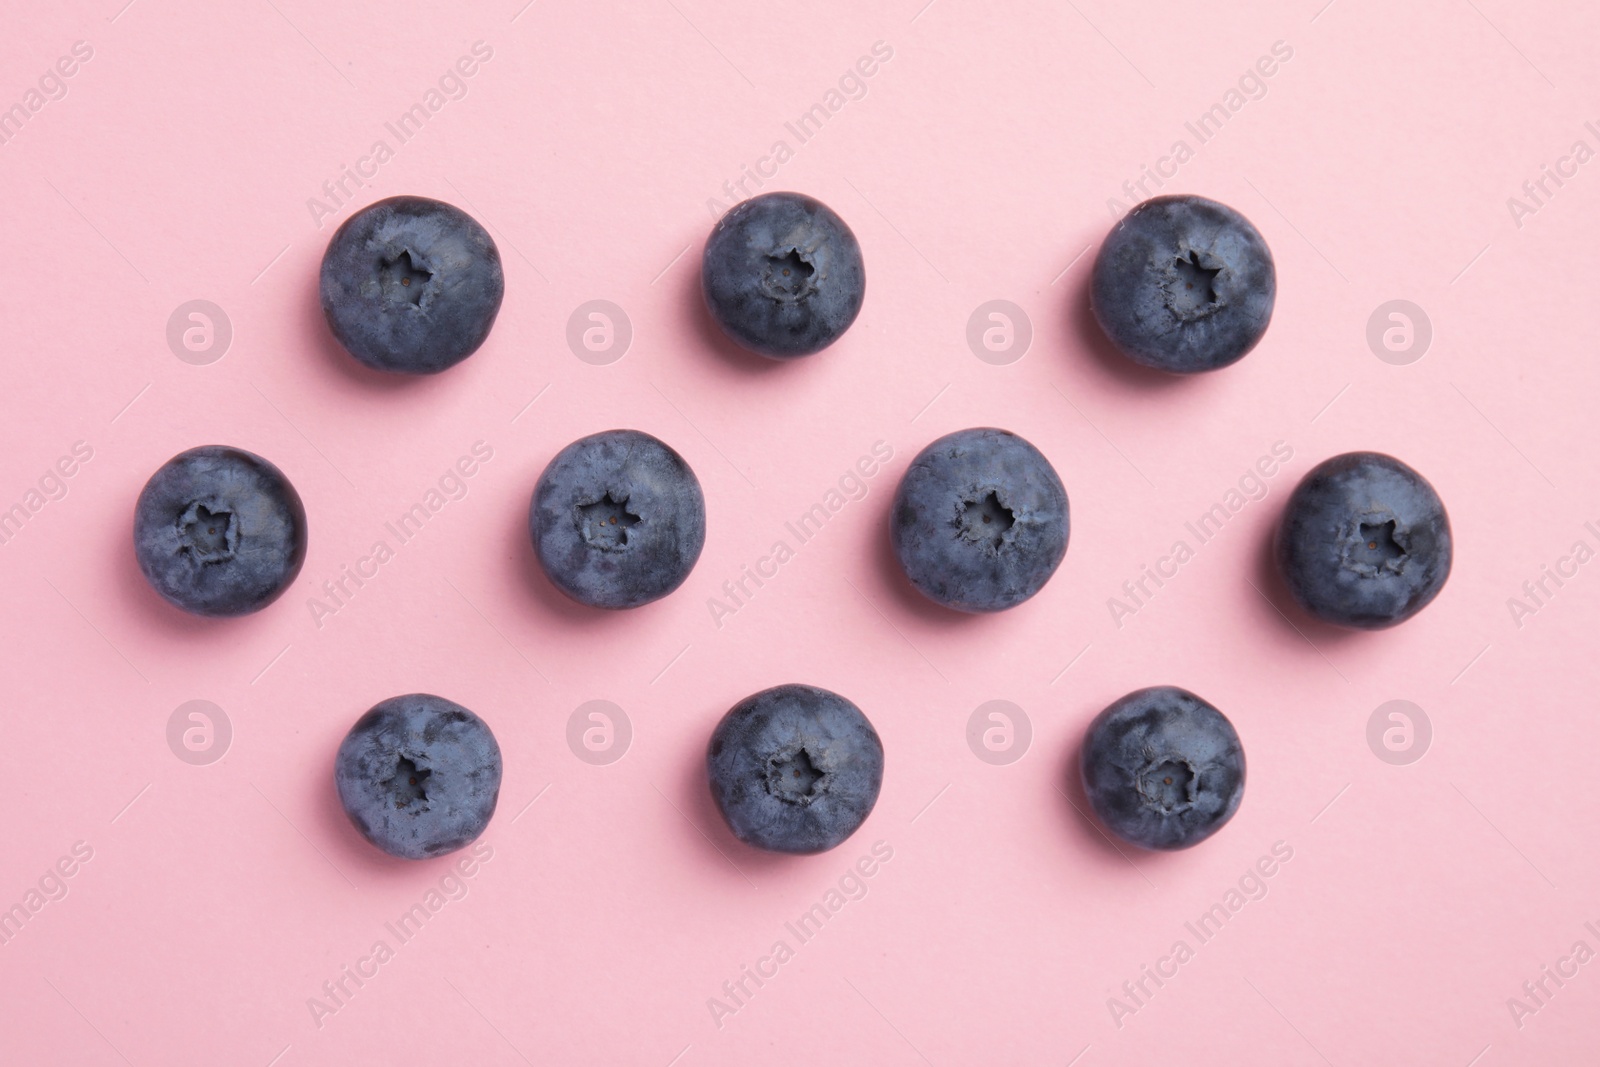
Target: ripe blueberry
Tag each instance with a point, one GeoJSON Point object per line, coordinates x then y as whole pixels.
{"type": "Point", "coordinates": [617, 519]}
{"type": "Point", "coordinates": [219, 531]}
{"type": "Point", "coordinates": [980, 520]}
{"type": "Point", "coordinates": [794, 769]}
{"type": "Point", "coordinates": [1184, 284]}
{"type": "Point", "coordinates": [1364, 541]}
{"type": "Point", "coordinates": [1162, 769]}
{"type": "Point", "coordinates": [411, 285]}
{"type": "Point", "coordinates": [419, 776]}
{"type": "Point", "coordinates": [782, 275]}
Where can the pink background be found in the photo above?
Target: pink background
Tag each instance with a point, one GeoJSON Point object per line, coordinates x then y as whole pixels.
{"type": "Point", "coordinates": [977, 166]}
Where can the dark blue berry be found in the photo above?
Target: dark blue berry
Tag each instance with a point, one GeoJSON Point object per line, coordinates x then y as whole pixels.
{"type": "Point", "coordinates": [1162, 769]}
{"type": "Point", "coordinates": [617, 519]}
{"type": "Point", "coordinates": [411, 285]}
{"type": "Point", "coordinates": [794, 769]}
{"type": "Point", "coordinates": [1364, 541]}
{"type": "Point", "coordinates": [782, 275]}
{"type": "Point", "coordinates": [1184, 284]}
{"type": "Point", "coordinates": [980, 521]}
{"type": "Point", "coordinates": [419, 776]}
{"type": "Point", "coordinates": [219, 531]}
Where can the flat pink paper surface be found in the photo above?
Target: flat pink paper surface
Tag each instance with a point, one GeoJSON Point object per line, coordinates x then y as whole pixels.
{"type": "Point", "coordinates": [224, 911]}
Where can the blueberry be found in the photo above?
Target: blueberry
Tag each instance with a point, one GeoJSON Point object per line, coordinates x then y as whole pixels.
{"type": "Point", "coordinates": [980, 520]}
{"type": "Point", "coordinates": [219, 531]}
{"type": "Point", "coordinates": [1364, 541]}
{"type": "Point", "coordinates": [1184, 284]}
{"type": "Point", "coordinates": [794, 769]}
{"type": "Point", "coordinates": [1162, 769]}
{"type": "Point", "coordinates": [419, 776]}
{"type": "Point", "coordinates": [617, 519]}
{"type": "Point", "coordinates": [411, 285]}
{"type": "Point", "coordinates": [782, 275]}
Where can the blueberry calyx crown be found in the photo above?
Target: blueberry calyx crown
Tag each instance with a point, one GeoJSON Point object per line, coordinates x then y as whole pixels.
{"type": "Point", "coordinates": [209, 534]}
{"type": "Point", "coordinates": [403, 278]}
{"type": "Point", "coordinates": [1169, 784]}
{"type": "Point", "coordinates": [793, 776]}
{"type": "Point", "coordinates": [1191, 290]}
{"type": "Point", "coordinates": [789, 275]}
{"type": "Point", "coordinates": [605, 522]}
{"type": "Point", "coordinates": [984, 518]}
{"type": "Point", "coordinates": [407, 785]}
{"type": "Point", "coordinates": [1375, 544]}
